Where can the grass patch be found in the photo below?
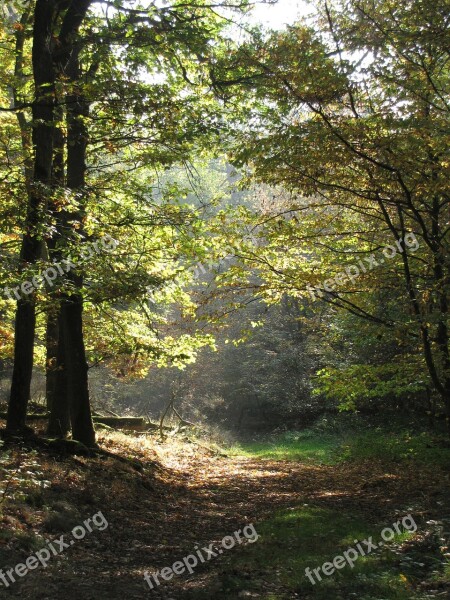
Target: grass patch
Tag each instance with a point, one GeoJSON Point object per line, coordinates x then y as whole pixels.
{"type": "Point", "coordinates": [423, 448]}
{"type": "Point", "coordinates": [295, 446]}
{"type": "Point", "coordinates": [307, 537]}
{"type": "Point", "coordinates": [373, 444]}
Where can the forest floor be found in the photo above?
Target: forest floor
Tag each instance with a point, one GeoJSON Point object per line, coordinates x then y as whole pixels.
{"type": "Point", "coordinates": [186, 496]}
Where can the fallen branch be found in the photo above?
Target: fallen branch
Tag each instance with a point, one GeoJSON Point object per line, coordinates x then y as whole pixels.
{"type": "Point", "coordinates": [111, 421]}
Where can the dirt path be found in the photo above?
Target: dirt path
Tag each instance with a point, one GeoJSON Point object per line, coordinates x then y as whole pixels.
{"type": "Point", "coordinates": [159, 515]}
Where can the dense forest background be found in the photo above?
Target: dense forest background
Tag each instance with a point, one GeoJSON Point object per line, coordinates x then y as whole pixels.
{"type": "Point", "coordinates": [197, 208]}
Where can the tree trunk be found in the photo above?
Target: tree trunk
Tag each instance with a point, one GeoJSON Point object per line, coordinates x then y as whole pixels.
{"type": "Point", "coordinates": [71, 309]}
{"type": "Point", "coordinates": [23, 366]}
{"type": "Point", "coordinates": [51, 360]}
{"type": "Point", "coordinates": [77, 371]}
{"type": "Point", "coordinates": [57, 388]}
{"type": "Point", "coordinates": [43, 107]}
{"type": "Point", "coordinates": [56, 379]}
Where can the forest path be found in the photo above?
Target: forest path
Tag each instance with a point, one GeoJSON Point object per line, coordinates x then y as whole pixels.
{"type": "Point", "coordinates": [185, 497]}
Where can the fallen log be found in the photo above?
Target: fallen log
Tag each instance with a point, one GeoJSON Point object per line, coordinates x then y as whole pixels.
{"type": "Point", "coordinates": [118, 422]}
{"type": "Point", "coordinates": [31, 417]}
{"type": "Point", "coordinates": [132, 422]}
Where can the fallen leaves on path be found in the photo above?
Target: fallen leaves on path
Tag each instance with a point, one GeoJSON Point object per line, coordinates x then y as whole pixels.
{"type": "Point", "coordinates": [185, 496]}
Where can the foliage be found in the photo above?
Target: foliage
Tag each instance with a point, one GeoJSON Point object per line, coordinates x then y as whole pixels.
{"type": "Point", "coordinates": [349, 118]}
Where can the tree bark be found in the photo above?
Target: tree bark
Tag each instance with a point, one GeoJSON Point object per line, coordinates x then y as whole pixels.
{"type": "Point", "coordinates": [56, 383]}
{"type": "Point", "coordinates": [56, 378]}
{"type": "Point", "coordinates": [42, 111]}
{"type": "Point", "coordinates": [71, 342]}
{"type": "Point", "coordinates": [77, 371]}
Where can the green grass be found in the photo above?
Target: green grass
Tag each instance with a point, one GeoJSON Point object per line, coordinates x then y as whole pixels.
{"type": "Point", "coordinates": [305, 536]}
{"type": "Point", "coordinates": [374, 444]}
{"type": "Point", "coordinates": [421, 448]}
{"type": "Point", "coordinates": [318, 450]}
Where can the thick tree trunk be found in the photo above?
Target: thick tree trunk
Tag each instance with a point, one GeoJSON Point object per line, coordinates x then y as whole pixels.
{"type": "Point", "coordinates": [71, 310]}
{"type": "Point", "coordinates": [56, 379]}
{"type": "Point", "coordinates": [57, 388]}
{"type": "Point", "coordinates": [43, 107]}
{"type": "Point", "coordinates": [23, 366]}
{"type": "Point", "coordinates": [77, 371]}
{"type": "Point", "coordinates": [51, 360]}
{"type": "Point", "coordinates": [446, 400]}
{"type": "Point", "coordinates": [68, 385]}
{"type": "Point", "coordinates": [71, 318]}
{"type": "Point", "coordinates": [439, 220]}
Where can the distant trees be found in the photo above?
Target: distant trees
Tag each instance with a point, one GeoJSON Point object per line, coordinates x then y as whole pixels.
{"type": "Point", "coordinates": [262, 383]}
{"type": "Point", "coordinates": [350, 116]}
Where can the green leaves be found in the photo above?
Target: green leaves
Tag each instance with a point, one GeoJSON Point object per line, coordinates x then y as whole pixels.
{"type": "Point", "coordinates": [349, 116]}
